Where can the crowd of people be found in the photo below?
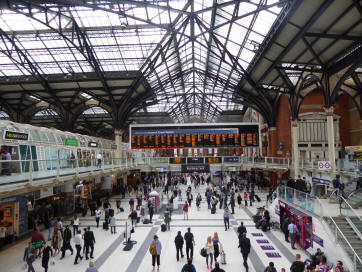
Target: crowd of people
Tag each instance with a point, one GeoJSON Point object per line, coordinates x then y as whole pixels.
{"type": "Point", "coordinates": [234, 194]}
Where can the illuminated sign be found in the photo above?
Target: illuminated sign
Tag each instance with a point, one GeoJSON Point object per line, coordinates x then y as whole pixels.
{"type": "Point", "coordinates": [11, 135]}
{"type": "Point", "coordinates": [71, 142]}
{"type": "Point", "coordinates": [194, 136]}
{"type": "Point", "coordinates": [92, 144]}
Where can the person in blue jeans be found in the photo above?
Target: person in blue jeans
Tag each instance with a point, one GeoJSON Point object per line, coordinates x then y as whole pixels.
{"type": "Point", "coordinates": [292, 228]}
{"type": "Point", "coordinates": [156, 257]}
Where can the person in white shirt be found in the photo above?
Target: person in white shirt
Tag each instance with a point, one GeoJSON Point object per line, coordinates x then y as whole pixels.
{"type": "Point", "coordinates": [78, 241]}
{"type": "Point", "coordinates": [98, 216]}
{"type": "Point", "coordinates": [75, 224]}
{"type": "Point", "coordinates": [99, 160]}
{"type": "Point", "coordinates": [60, 225]}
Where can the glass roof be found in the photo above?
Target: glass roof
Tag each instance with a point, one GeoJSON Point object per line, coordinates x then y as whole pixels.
{"type": "Point", "coordinates": [192, 53]}
{"type": "Point", "coordinates": [95, 111]}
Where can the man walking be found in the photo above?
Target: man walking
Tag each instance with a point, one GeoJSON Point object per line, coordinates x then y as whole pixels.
{"type": "Point", "coordinates": [179, 242]}
{"type": "Point", "coordinates": [98, 216]}
{"type": "Point", "coordinates": [227, 219]}
{"type": "Point", "coordinates": [244, 245]}
{"type": "Point", "coordinates": [232, 204]}
{"type": "Point", "coordinates": [89, 242]}
{"type": "Point", "coordinates": [190, 242]}
{"type": "Point", "coordinates": [66, 241]}
{"type": "Point", "coordinates": [29, 257]}
{"type": "Point", "coordinates": [241, 229]}
{"type": "Point", "coordinates": [297, 265]}
{"type": "Point", "coordinates": [78, 246]}
{"type": "Point", "coordinates": [285, 229]}
{"type": "Point", "coordinates": [292, 228]}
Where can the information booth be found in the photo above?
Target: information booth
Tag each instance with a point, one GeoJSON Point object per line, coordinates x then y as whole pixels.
{"type": "Point", "coordinates": [301, 220]}
{"type": "Point", "coordinates": [155, 198]}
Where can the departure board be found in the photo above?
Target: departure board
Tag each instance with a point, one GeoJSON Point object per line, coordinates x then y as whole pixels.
{"type": "Point", "coordinates": [170, 136]}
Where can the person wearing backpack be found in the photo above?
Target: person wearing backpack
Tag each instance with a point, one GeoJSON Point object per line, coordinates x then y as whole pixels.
{"type": "Point", "coordinates": [190, 242]}
{"type": "Point", "coordinates": [155, 251]}
{"type": "Point", "coordinates": [189, 267]}
{"type": "Point", "coordinates": [179, 242]}
{"type": "Point", "coordinates": [217, 268]}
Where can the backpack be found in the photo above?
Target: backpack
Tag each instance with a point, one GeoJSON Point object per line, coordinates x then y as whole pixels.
{"type": "Point", "coordinates": [153, 249]}
{"type": "Point", "coordinates": [187, 268]}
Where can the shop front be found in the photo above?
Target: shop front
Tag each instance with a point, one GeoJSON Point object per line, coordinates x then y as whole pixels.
{"type": "Point", "coordinates": [13, 218]}
{"type": "Point", "coordinates": [303, 222]}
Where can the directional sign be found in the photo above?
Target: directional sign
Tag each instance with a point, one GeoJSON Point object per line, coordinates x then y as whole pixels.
{"type": "Point", "coordinates": [324, 165]}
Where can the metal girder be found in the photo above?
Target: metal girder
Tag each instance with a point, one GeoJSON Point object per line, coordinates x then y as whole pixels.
{"type": "Point", "coordinates": [333, 36]}
{"type": "Point", "coordinates": [26, 63]}
{"type": "Point", "coordinates": [78, 39]}
{"type": "Point", "coordinates": [300, 34]}
{"type": "Point", "coordinates": [357, 4]}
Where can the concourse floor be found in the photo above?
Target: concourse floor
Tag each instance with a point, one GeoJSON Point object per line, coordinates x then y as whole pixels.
{"type": "Point", "coordinates": [109, 256]}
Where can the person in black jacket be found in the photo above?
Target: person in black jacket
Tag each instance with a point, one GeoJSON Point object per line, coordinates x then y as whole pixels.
{"type": "Point", "coordinates": [179, 242]}
{"type": "Point", "coordinates": [232, 204]}
{"type": "Point", "coordinates": [190, 242]}
{"type": "Point", "coordinates": [244, 245]}
{"type": "Point", "coordinates": [241, 229]}
{"type": "Point", "coordinates": [89, 242]}
{"type": "Point", "coordinates": [67, 236]}
{"type": "Point", "coordinates": [47, 252]}
{"type": "Point", "coordinates": [297, 265]}
{"type": "Point", "coordinates": [285, 225]}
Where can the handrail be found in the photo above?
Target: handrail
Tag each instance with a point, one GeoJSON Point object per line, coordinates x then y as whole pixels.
{"type": "Point", "coordinates": [344, 237]}
{"type": "Point", "coordinates": [345, 201]}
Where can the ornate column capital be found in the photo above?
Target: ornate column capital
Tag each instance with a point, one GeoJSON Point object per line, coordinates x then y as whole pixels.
{"type": "Point", "coordinates": [294, 123]}
{"type": "Point", "coordinates": [329, 109]}
{"type": "Point", "coordinates": [118, 132]}
{"type": "Point", "coordinates": [272, 129]}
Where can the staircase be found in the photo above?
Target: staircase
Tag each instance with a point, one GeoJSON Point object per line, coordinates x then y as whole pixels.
{"type": "Point", "coordinates": [352, 237]}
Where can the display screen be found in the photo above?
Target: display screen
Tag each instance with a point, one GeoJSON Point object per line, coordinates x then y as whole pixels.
{"type": "Point", "coordinates": [186, 168]}
{"type": "Point", "coordinates": [194, 136]}
{"type": "Point", "coordinates": [177, 160]}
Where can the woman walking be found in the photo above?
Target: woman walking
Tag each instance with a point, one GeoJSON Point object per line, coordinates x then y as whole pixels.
{"type": "Point", "coordinates": [56, 241]}
{"type": "Point", "coordinates": [210, 252]}
{"type": "Point", "coordinates": [246, 199]}
{"type": "Point", "coordinates": [217, 246]}
{"type": "Point", "coordinates": [186, 211]}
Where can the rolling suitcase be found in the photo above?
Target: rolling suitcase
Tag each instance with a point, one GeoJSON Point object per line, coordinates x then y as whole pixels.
{"type": "Point", "coordinates": [163, 227]}
{"type": "Point", "coordinates": [138, 219]}
{"type": "Point", "coordinates": [257, 198]}
{"type": "Point", "coordinates": [223, 258]}
{"type": "Point", "coordinates": [137, 207]}
{"type": "Point", "coordinates": [213, 210]}
{"type": "Point", "coordinates": [105, 225]}
{"type": "Point", "coordinates": [146, 221]}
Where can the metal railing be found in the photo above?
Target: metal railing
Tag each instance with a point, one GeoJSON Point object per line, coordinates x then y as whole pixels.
{"type": "Point", "coordinates": [314, 205]}
{"type": "Point", "coordinates": [342, 240]}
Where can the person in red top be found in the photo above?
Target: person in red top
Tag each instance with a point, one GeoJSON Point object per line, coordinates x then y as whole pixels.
{"type": "Point", "coordinates": [186, 211]}
{"type": "Point", "coordinates": [37, 239]}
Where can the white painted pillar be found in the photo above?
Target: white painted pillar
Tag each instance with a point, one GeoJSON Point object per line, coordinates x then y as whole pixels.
{"type": "Point", "coordinates": [330, 136]}
{"type": "Point", "coordinates": [295, 149]}
{"type": "Point", "coordinates": [118, 139]}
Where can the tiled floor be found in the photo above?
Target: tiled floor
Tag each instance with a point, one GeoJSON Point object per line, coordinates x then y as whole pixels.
{"type": "Point", "coordinates": [110, 256]}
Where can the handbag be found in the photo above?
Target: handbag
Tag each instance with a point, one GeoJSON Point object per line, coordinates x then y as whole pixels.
{"type": "Point", "coordinates": [203, 252]}
{"type": "Point", "coordinates": [132, 230]}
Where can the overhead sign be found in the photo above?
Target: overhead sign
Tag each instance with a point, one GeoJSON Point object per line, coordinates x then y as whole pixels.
{"type": "Point", "coordinates": [321, 181]}
{"type": "Point", "coordinates": [171, 136]}
{"type": "Point", "coordinates": [71, 142]}
{"type": "Point", "coordinates": [12, 135]}
{"type": "Point", "coordinates": [92, 144]}
{"type": "Point", "coordinates": [324, 165]}
{"type": "Point", "coordinates": [187, 168]}
{"type": "Point", "coordinates": [213, 160]}
{"type": "Point", "coordinates": [231, 159]}
{"type": "Point", "coordinates": [177, 160]}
